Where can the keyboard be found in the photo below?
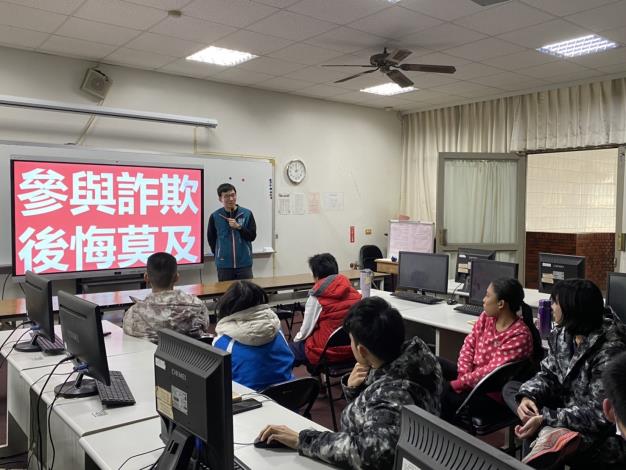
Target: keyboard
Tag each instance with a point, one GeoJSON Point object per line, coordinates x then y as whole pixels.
{"type": "Point", "coordinates": [116, 394]}
{"type": "Point", "coordinates": [470, 309]}
{"type": "Point", "coordinates": [50, 347]}
{"type": "Point", "coordinates": [237, 465]}
{"type": "Point", "coordinates": [414, 297]}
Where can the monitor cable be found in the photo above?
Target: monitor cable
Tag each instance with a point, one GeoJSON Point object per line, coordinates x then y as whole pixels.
{"type": "Point", "coordinates": [4, 284]}
{"type": "Point", "coordinates": [139, 455]}
{"type": "Point", "coordinates": [56, 395]}
{"type": "Point", "coordinates": [6, 356]}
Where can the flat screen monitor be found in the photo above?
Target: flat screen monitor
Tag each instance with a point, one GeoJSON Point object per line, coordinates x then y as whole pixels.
{"type": "Point", "coordinates": [429, 443]}
{"type": "Point", "coordinates": [616, 294]}
{"type": "Point", "coordinates": [485, 271]}
{"type": "Point", "coordinates": [554, 267]}
{"type": "Point", "coordinates": [38, 296]}
{"type": "Point", "coordinates": [194, 399]}
{"type": "Point", "coordinates": [464, 260]}
{"type": "Point", "coordinates": [423, 272]}
{"type": "Point", "coordinates": [81, 327]}
{"type": "Point", "coordinates": [77, 219]}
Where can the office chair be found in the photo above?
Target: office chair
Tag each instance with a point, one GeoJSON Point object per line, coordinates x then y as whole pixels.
{"type": "Point", "coordinates": [298, 395]}
{"type": "Point", "coordinates": [287, 313]}
{"type": "Point", "coordinates": [330, 369]}
{"type": "Point", "coordinates": [367, 255]}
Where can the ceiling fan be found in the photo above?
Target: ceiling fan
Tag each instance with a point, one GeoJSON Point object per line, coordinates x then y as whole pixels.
{"type": "Point", "coordinates": [389, 64]}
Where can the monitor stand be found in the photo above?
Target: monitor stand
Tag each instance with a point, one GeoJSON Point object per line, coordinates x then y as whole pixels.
{"type": "Point", "coordinates": [78, 388]}
{"type": "Point", "coordinates": [178, 450]}
{"type": "Point", "coordinates": [466, 284]}
{"type": "Point", "coordinates": [28, 346]}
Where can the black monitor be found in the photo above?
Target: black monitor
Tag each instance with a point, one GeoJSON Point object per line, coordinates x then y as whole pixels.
{"type": "Point", "coordinates": [81, 327]}
{"type": "Point", "coordinates": [426, 272]}
{"type": "Point", "coordinates": [484, 272]}
{"type": "Point", "coordinates": [616, 294]}
{"type": "Point", "coordinates": [38, 293]}
{"type": "Point", "coordinates": [554, 268]}
{"type": "Point", "coordinates": [464, 260]}
{"type": "Point", "coordinates": [194, 399]}
{"type": "Point", "coordinates": [429, 443]}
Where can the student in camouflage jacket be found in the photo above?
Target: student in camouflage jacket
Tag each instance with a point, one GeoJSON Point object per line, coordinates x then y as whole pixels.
{"type": "Point", "coordinates": [165, 307]}
{"type": "Point", "coordinates": [388, 375]}
{"type": "Point", "coordinates": [568, 391]}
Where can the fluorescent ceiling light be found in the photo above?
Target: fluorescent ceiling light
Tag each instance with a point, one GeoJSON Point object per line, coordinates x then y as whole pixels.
{"type": "Point", "coordinates": [388, 89]}
{"type": "Point", "coordinates": [579, 46]}
{"type": "Point", "coordinates": [221, 56]}
{"type": "Point", "coordinates": [393, 1]}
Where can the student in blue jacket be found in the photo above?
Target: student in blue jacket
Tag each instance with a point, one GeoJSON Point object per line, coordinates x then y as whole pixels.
{"type": "Point", "coordinates": [249, 330]}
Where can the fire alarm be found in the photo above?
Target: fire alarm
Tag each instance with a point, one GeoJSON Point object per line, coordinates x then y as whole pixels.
{"type": "Point", "coordinates": [96, 83]}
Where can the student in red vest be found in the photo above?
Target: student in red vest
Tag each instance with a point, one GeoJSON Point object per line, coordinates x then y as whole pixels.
{"type": "Point", "coordinates": [329, 301]}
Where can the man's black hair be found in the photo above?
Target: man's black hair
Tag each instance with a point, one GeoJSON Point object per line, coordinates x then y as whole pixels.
{"type": "Point", "coordinates": [225, 188]}
{"type": "Point", "coordinates": [614, 381]}
{"type": "Point", "coordinates": [240, 296]}
{"type": "Point", "coordinates": [378, 326]}
{"type": "Point", "coordinates": [581, 304]}
{"type": "Point", "coordinates": [323, 265]}
{"type": "Point", "coordinates": [161, 269]}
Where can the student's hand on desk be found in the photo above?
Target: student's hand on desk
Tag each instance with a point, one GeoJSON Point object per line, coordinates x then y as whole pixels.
{"type": "Point", "coordinates": [233, 224]}
{"type": "Point", "coordinates": [281, 433]}
{"type": "Point", "coordinates": [358, 375]}
{"type": "Point", "coordinates": [527, 409]}
{"type": "Point", "coordinates": [530, 428]}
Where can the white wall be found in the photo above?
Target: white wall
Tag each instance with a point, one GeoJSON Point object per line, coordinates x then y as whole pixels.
{"type": "Point", "coordinates": [350, 149]}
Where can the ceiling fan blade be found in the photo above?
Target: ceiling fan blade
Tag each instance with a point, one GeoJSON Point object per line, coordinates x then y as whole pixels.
{"type": "Point", "coordinates": [357, 75]}
{"type": "Point", "coordinates": [398, 55]}
{"type": "Point", "coordinates": [427, 68]}
{"type": "Point", "coordinates": [348, 65]}
{"type": "Point", "coordinates": [399, 78]}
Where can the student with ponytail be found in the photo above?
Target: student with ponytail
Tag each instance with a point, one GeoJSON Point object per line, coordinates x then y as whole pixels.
{"type": "Point", "coordinates": [499, 336]}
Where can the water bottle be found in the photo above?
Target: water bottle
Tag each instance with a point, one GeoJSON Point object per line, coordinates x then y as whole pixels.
{"type": "Point", "coordinates": [545, 317]}
{"type": "Point", "coordinates": [365, 282]}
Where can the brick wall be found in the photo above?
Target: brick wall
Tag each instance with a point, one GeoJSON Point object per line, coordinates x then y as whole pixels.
{"type": "Point", "coordinates": [598, 249]}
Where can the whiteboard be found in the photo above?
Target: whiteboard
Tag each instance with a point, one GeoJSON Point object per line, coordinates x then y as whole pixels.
{"type": "Point", "coordinates": [409, 235]}
{"type": "Point", "coordinates": [253, 178]}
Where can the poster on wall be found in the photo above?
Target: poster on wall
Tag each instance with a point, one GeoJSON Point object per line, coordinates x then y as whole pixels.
{"type": "Point", "coordinates": [79, 217]}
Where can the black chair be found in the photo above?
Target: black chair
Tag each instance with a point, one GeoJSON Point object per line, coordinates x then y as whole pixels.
{"type": "Point", "coordinates": [298, 395]}
{"type": "Point", "coordinates": [286, 313]}
{"type": "Point", "coordinates": [479, 420]}
{"type": "Point", "coordinates": [367, 256]}
{"type": "Point", "coordinates": [331, 369]}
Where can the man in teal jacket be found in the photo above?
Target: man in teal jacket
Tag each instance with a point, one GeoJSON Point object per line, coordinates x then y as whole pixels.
{"type": "Point", "coordinates": [230, 233]}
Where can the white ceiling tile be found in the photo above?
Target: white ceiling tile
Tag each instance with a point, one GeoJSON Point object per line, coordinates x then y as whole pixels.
{"type": "Point", "coordinates": [192, 68]}
{"type": "Point", "coordinates": [364, 81]}
{"type": "Point", "coordinates": [270, 66]}
{"type": "Point", "coordinates": [140, 59]}
{"type": "Point", "coordinates": [347, 40]}
{"type": "Point", "coordinates": [22, 38]}
{"type": "Point", "coordinates": [617, 34]}
{"type": "Point", "coordinates": [192, 29]}
{"type": "Point", "coordinates": [305, 54]}
{"type": "Point", "coordinates": [277, 3]}
{"type": "Point", "coordinates": [438, 58]}
{"type": "Point", "coordinates": [504, 18]}
{"type": "Point", "coordinates": [352, 97]}
{"type": "Point", "coordinates": [165, 45]}
{"type": "Point", "coordinates": [602, 59]}
{"type": "Point", "coordinates": [443, 9]}
{"type": "Point", "coordinates": [574, 76]}
{"type": "Point", "coordinates": [602, 18]}
{"type": "Point", "coordinates": [544, 33]}
{"type": "Point", "coordinates": [97, 32]}
{"type": "Point", "coordinates": [520, 60]}
{"type": "Point", "coordinates": [284, 84]}
{"type": "Point", "coordinates": [566, 7]}
{"type": "Point", "coordinates": [120, 13]}
{"type": "Point", "coordinates": [510, 81]}
{"type": "Point", "coordinates": [241, 76]}
{"type": "Point", "coordinates": [65, 7]}
{"type": "Point", "coordinates": [286, 24]}
{"type": "Point", "coordinates": [322, 91]}
{"type": "Point", "coordinates": [467, 89]}
{"type": "Point", "coordinates": [249, 41]}
{"type": "Point", "coordinates": [318, 74]}
{"type": "Point", "coordinates": [29, 18]}
{"type": "Point", "coordinates": [238, 13]}
{"type": "Point", "coordinates": [474, 70]}
{"type": "Point", "coordinates": [395, 22]}
{"type": "Point", "coordinates": [441, 37]}
{"type": "Point", "coordinates": [76, 47]}
{"type": "Point", "coordinates": [432, 96]}
{"type": "Point", "coordinates": [484, 49]}
{"type": "Point", "coordinates": [340, 12]}
{"type": "Point", "coordinates": [554, 69]}
{"type": "Point", "coordinates": [615, 68]}
{"type": "Point", "coordinates": [162, 4]}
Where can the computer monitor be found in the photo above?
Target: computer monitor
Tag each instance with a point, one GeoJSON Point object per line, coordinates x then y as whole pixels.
{"type": "Point", "coordinates": [429, 443]}
{"type": "Point", "coordinates": [38, 293]}
{"type": "Point", "coordinates": [554, 268]}
{"type": "Point", "coordinates": [194, 399]}
{"type": "Point", "coordinates": [464, 260]}
{"type": "Point", "coordinates": [484, 272]}
{"type": "Point", "coordinates": [427, 272]}
{"type": "Point", "coordinates": [616, 294]}
{"type": "Point", "coordinates": [81, 327]}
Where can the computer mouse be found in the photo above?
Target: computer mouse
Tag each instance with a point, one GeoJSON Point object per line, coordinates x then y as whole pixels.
{"type": "Point", "coordinates": [274, 444]}
{"type": "Point", "coordinates": [451, 302]}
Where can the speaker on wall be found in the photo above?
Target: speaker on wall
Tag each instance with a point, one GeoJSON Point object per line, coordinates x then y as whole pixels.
{"type": "Point", "coordinates": [96, 83]}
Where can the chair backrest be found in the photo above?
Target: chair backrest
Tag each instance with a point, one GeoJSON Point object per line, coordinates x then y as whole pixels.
{"type": "Point", "coordinates": [339, 337]}
{"type": "Point", "coordinates": [367, 255]}
{"type": "Point", "coordinates": [297, 394]}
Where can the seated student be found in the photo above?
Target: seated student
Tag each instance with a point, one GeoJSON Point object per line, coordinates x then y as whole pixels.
{"type": "Point", "coordinates": [389, 374]}
{"type": "Point", "coordinates": [498, 337]}
{"type": "Point", "coordinates": [165, 307]}
{"type": "Point", "coordinates": [327, 306]}
{"type": "Point", "coordinates": [568, 392]}
{"type": "Point", "coordinates": [614, 406]}
{"type": "Point", "coordinates": [250, 331]}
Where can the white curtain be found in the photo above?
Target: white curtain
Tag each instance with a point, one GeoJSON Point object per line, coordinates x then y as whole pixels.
{"type": "Point", "coordinates": [579, 116]}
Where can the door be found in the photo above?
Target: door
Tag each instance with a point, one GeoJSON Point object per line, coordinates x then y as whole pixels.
{"type": "Point", "coordinates": [481, 203]}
